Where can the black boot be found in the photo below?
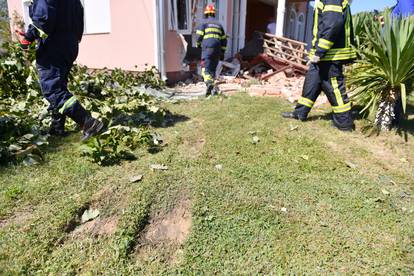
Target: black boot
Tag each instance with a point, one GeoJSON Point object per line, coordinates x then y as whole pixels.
{"type": "Point", "coordinates": [210, 87]}
{"type": "Point", "coordinates": [90, 126]}
{"type": "Point", "coordinates": [215, 91]}
{"type": "Point", "coordinates": [344, 128]}
{"type": "Point", "coordinates": [293, 115]}
{"type": "Point", "coordinates": [57, 126]}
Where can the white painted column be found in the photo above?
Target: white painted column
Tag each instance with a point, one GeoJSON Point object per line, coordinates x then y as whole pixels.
{"type": "Point", "coordinates": [242, 26]}
{"type": "Point", "coordinates": [280, 22]}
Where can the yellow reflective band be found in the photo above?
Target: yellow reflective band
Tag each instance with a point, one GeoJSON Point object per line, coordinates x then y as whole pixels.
{"type": "Point", "coordinates": [348, 30]}
{"type": "Point", "coordinates": [337, 51]}
{"type": "Point", "coordinates": [336, 54]}
{"type": "Point", "coordinates": [199, 32]}
{"type": "Point", "coordinates": [337, 92]}
{"type": "Point", "coordinates": [213, 30]}
{"type": "Point", "coordinates": [319, 5]}
{"type": "Point", "coordinates": [206, 76]}
{"type": "Point", "coordinates": [216, 36]}
{"type": "Point", "coordinates": [68, 104]}
{"type": "Point", "coordinates": [324, 45]}
{"type": "Point", "coordinates": [342, 108]}
{"type": "Point", "coordinates": [333, 8]}
{"type": "Point", "coordinates": [306, 102]}
{"type": "Point", "coordinates": [315, 27]}
{"type": "Point", "coordinates": [326, 42]}
{"type": "Point", "coordinates": [224, 37]}
{"type": "Point", "coordinates": [339, 57]}
{"type": "Point", "coordinates": [224, 48]}
{"type": "Point", "coordinates": [345, 4]}
{"type": "Point", "coordinates": [42, 34]}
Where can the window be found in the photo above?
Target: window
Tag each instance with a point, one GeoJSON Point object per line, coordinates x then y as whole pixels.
{"type": "Point", "coordinates": [179, 16]}
{"type": "Point", "coordinates": [300, 32]}
{"type": "Point", "coordinates": [292, 24]}
{"type": "Point", "coordinates": [97, 16]}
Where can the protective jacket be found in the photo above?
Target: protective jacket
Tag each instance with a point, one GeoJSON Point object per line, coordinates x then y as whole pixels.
{"type": "Point", "coordinates": [55, 18]}
{"type": "Point", "coordinates": [211, 35]}
{"type": "Point", "coordinates": [404, 8]}
{"type": "Point", "coordinates": [333, 35]}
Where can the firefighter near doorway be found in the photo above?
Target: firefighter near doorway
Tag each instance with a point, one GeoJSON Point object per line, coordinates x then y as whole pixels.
{"type": "Point", "coordinates": [331, 48]}
{"type": "Point", "coordinates": [212, 40]}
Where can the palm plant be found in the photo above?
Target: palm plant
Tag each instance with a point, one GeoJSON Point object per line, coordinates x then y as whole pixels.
{"type": "Point", "coordinates": [381, 80]}
{"type": "Point", "coordinates": [360, 21]}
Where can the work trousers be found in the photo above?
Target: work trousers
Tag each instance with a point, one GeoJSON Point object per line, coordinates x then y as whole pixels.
{"type": "Point", "coordinates": [55, 58]}
{"type": "Point", "coordinates": [209, 61]}
{"type": "Point", "coordinates": [327, 77]}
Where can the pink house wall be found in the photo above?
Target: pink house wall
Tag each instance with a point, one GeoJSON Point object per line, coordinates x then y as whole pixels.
{"type": "Point", "coordinates": [130, 43]}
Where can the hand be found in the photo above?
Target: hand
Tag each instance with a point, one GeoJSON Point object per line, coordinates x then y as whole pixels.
{"type": "Point", "coordinates": [24, 44]}
{"type": "Point", "coordinates": [314, 59]}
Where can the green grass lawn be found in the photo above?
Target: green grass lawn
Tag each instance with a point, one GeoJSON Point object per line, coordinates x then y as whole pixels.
{"type": "Point", "coordinates": [305, 199]}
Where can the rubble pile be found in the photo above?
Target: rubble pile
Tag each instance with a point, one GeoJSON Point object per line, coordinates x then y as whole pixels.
{"type": "Point", "coordinates": [275, 69]}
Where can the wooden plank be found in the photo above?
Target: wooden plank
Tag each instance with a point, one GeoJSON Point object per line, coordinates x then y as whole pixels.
{"type": "Point", "coordinates": [269, 75]}
{"type": "Point", "coordinates": [285, 54]}
{"type": "Point", "coordinates": [285, 39]}
{"type": "Point", "coordinates": [285, 47]}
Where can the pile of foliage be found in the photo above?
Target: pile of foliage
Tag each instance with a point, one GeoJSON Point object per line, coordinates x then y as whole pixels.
{"type": "Point", "coordinates": [116, 97]}
{"type": "Point", "coordinates": [382, 78]}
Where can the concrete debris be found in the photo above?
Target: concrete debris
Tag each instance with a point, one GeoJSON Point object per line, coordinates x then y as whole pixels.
{"type": "Point", "coordinates": [276, 70]}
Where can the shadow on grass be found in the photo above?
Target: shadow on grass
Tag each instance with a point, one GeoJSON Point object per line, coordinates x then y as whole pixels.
{"type": "Point", "coordinates": [406, 127]}
{"type": "Point", "coordinates": [325, 117]}
{"type": "Point", "coordinates": [173, 119]}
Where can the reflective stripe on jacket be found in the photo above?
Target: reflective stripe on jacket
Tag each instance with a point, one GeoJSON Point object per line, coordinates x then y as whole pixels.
{"type": "Point", "coordinates": [333, 35]}
{"type": "Point", "coordinates": [211, 35]}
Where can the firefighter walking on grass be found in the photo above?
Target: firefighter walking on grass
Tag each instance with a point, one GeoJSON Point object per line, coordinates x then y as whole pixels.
{"type": "Point", "coordinates": [212, 39]}
{"type": "Point", "coordinates": [57, 26]}
{"type": "Point", "coordinates": [331, 48]}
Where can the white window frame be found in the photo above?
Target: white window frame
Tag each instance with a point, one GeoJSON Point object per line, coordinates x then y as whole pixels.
{"type": "Point", "coordinates": [106, 30]}
{"type": "Point", "coordinates": [173, 17]}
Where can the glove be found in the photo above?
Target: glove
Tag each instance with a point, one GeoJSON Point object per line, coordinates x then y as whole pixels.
{"type": "Point", "coordinates": [24, 44]}
{"type": "Point", "coordinates": [314, 59]}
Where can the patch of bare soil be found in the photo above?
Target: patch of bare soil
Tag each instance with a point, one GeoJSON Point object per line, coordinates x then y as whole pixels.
{"type": "Point", "coordinates": [388, 155]}
{"type": "Point", "coordinates": [166, 233]}
{"type": "Point", "coordinates": [193, 144]}
{"type": "Point", "coordinates": [194, 147]}
{"type": "Point", "coordinates": [172, 227]}
{"type": "Point", "coordinates": [97, 227]}
{"type": "Point", "coordinates": [19, 218]}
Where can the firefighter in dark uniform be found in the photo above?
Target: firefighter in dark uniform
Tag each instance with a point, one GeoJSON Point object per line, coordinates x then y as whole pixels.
{"type": "Point", "coordinates": [331, 48]}
{"type": "Point", "coordinates": [213, 41]}
{"type": "Point", "coordinates": [57, 26]}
